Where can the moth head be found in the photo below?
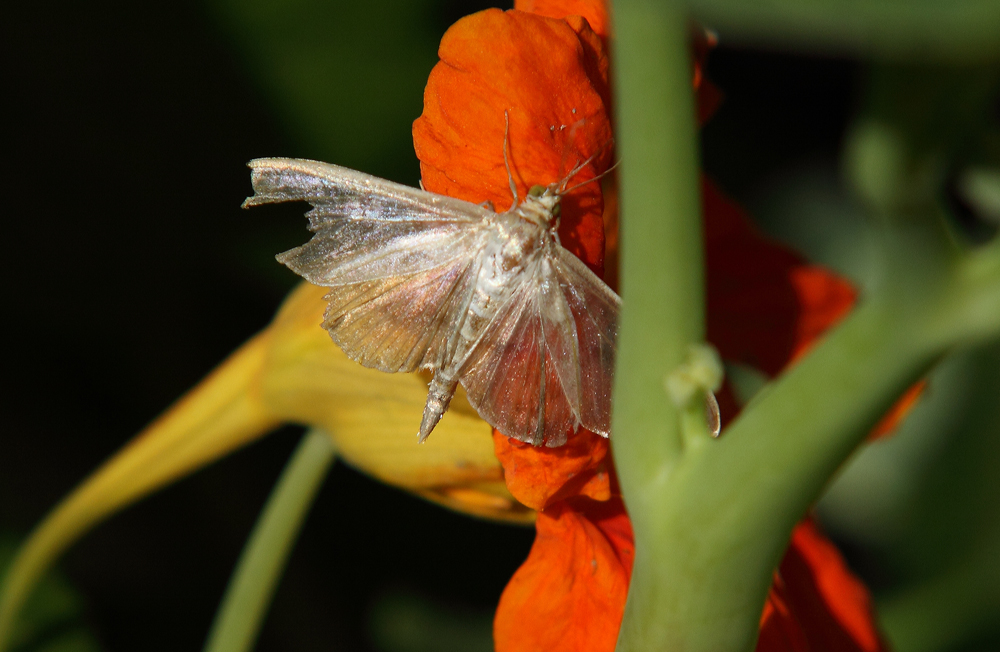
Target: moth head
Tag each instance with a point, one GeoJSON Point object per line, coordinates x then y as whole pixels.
{"type": "Point", "coordinates": [546, 197]}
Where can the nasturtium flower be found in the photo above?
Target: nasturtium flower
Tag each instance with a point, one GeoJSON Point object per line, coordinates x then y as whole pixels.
{"type": "Point", "coordinates": [766, 306]}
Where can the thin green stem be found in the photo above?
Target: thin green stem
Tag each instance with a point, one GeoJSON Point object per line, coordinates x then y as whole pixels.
{"type": "Point", "coordinates": [244, 606]}
{"type": "Point", "coordinates": [960, 30]}
{"type": "Point", "coordinates": [661, 280]}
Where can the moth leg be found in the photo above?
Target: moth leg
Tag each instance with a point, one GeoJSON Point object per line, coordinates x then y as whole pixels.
{"type": "Point", "coordinates": [438, 398]}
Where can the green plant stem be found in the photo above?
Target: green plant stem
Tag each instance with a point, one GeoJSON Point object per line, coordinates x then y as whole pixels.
{"type": "Point", "coordinates": [956, 31]}
{"type": "Point", "coordinates": [733, 503]}
{"type": "Point", "coordinates": [712, 518]}
{"type": "Point", "coordinates": [244, 606]}
{"type": "Point", "coordinates": [661, 269]}
{"type": "Point", "coordinates": [661, 279]}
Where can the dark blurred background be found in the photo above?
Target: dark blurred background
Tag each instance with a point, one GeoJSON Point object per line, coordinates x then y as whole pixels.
{"type": "Point", "coordinates": [129, 272]}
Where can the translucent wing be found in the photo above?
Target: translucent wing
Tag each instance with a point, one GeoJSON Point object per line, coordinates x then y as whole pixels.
{"type": "Point", "coordinates": [400, 262]}
{"type": "Point", "coordinates": [595, 309]}
{"type": "Point", "coordinates": [544, 366]}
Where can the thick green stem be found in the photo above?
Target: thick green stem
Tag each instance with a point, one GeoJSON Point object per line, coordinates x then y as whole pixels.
{"type": "Point", "coordinates": [712, 518]}
{"type": "Point", "coordinates": [732, 504]}
{"type": "Point", "coordinates": [661, 280]}
{"type": "Point", "coordinates": [256, 576]}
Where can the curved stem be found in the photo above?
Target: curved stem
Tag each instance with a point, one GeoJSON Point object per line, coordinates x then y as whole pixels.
{"type": "Point", "coordinates": [244, 606]}
{"type": "Point", "coordinates": [712, 518]}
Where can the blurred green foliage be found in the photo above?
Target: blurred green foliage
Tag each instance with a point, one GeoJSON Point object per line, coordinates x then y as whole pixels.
{"type": "Point", "coordinates": [52, 620]}
{"type": "Point", "coordinates": [919, 509]}
{"type": "Point", "coordinates": [404, 621]}
{"type": "Point", "coordinates": [346, 78]}
{"type": "Point", "coordinates": [909, 30]}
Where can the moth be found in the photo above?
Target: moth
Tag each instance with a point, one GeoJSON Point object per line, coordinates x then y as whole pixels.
{"type": "Point", "coordinates": [486, 299]}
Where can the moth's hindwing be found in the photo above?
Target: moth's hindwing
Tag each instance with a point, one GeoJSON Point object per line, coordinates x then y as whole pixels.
{"type": "Point", "coordinates": [545, 365]}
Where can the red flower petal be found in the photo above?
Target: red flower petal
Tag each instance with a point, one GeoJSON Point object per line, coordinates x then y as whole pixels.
{"type": "Point", "coordinates": [550, 77]}
{"type": "Point", "coordinates": [569, 595]}
{"type": "Point", "coordinates": [816, 604]}
{"type": "Point", "coordinates": [540, 476]}
{"type": "Point", "coordinates": [595, 11]}
{"type": "Point", "coordinates": [765, 304]}
{"type": "Point", "coordinates": [898, 412]}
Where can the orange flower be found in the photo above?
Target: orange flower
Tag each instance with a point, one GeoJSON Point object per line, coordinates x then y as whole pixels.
{"type": "Point", "coordinates": [549, 71]}
{"type": "Point", "coordinates": [557, 120]}
{"type": "Point", "coordinates": [815, 603]}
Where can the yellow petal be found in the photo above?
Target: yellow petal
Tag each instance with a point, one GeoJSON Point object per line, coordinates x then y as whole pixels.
{"type": "Point", "coordinates": [373, 417]}
{"type": "Point", "coordinates": [289, 372]}
{"type": "Point", "coordinates": [220, 414]}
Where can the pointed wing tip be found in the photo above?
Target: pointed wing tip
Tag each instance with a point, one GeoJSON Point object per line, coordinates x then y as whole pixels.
{"type": "Point", "coordinates": [266, 179]}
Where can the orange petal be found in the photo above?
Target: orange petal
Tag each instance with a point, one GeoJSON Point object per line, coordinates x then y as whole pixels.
{"type": "Point", "coordinates": [898, 412]}
{"type": "Point", "coordinates": [818, 599]}
{"type": "Point", "coordinates": [611, 257]}
{"type": "Point", "coordinates": [595, 11]}
{"type": "Point", "coordinates": [765, 304]}
{"type": "Point", "coordinates": [779, 630]}
{"type": "Point", "coordinates": [569, 595]}
{"type": "Point", "coordinates": [548, 77]}
{"type": "Point", "coordinates": [823, 300]}
{"type": "Point", "coordinates": [539, 476]}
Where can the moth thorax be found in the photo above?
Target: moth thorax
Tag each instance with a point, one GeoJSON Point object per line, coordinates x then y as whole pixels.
{"type": "Point", "coordinates": [541, 206]}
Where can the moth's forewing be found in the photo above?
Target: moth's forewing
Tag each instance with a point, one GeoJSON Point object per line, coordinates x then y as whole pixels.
{"type": "Point", "coordinates": [349, 193]}
{"type": "Point", "coordinates": [402, 265]}
{"type": "Point", "coordinates": [559, 334]}
{"type": "Point", "coordinates": [400, 262]}
{"type": "Point", "coordinates": [402, 323]}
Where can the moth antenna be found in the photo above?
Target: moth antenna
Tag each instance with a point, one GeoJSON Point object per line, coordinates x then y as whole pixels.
{"type": "Point", "coordinates": [565, 150]}
{"type": "Point", "coordinates": [506, 161]}
{"type": "Point", "coordinates": [568, 137]}
{"type": "Point", "coordinates": [563, 189]}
